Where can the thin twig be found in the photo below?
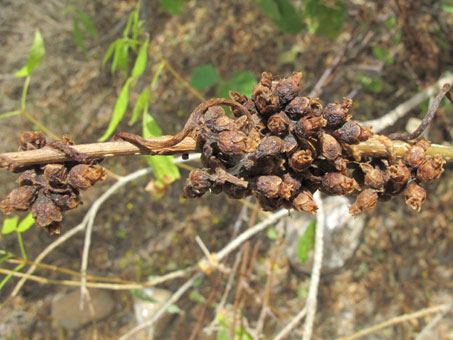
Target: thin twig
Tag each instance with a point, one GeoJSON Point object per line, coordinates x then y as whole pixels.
{"type": "Point", "coordinates": [316, 270]}
{"type": "Point", "coordinates": [398, 319]}
{"type": "Point", "coordinates": [426, 120]}
{"type": "Point", "coordinates": [173, 299]}
{"type": "Point", "coordinates": [289, 327]}
{"type": "Point", "coordinates": [425, 332]}
{"type": "Point", "coordinates": [401, 110]}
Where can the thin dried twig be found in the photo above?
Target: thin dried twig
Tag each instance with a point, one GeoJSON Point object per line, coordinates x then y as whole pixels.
{"type": "Point", "coordinates": [401, 110]}
{"type": "Point", "coordinates": [316, 270]}
{"type": "Point", "coordinates": [425, 332]}
{"type": "Point", "coordinates": [398, 319]}
{"type": "Point", "coordinates": [426, 120]}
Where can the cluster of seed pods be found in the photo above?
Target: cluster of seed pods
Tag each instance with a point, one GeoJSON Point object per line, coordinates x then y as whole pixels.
{"type": "Point", "coordinates": [51, 189]}
{"type": "Point", "coordinates": [288, 146]}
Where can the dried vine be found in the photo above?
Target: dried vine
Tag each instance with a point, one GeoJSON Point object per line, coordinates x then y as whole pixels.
{"type": "Point", "coordinates": [280, 146]}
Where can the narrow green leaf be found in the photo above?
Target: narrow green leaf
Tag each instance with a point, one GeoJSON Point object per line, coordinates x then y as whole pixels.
{"type": "Point", "coordinates": [35, 56]}
{"type": "Point", "coordinates": [173, 309]}
{"type": "Point", "coordinates": [123, 58]}
{"type": "Point", "coordinates": [140, 106]}
{"type": "Point", "coordinates": [197, 297]}
{"type": "Point", "coordinates": [135, 24]}
{"type": "Point", "coordinates": [10, 275]}
{"type": "Point", "coordinates": [173, 7]}
{"type": "Point", "coordinates": [26, 223]}
{"type": "Point", "coordinates": [306, 242]}
{"type": "Point", "coordinates": [87, 23]}
{"type": "Point", "coordinates": [118, 111]}
{"type": "Point", "coordinates": [204, 76]}
{"type": "Point", "coordinates": [10, 225]}
{"type": "Point", "coordinates": [10, 114]}
{"type": "Point", "coordinates": [283, 14]}
{"type": "Point", "coordinates": [78, 35]}
{"type": "Point", "coordinates": [116, 56]}
{"type": "Point", "coordinates": [109, 52]}
{"type": "Point", "coordinates": [140, 62]}
{"type": "Point", "coordinates": [157, 75]}
{"type": "Point", "coordinates": [163, 166]}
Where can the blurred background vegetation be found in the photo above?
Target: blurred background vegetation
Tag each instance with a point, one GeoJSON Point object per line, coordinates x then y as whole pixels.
{"type": "Point", "coordinates": [142, 67]}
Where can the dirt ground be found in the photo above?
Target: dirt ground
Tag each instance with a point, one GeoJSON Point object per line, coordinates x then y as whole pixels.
{"type": "Point", "coordinates": [404, 259]}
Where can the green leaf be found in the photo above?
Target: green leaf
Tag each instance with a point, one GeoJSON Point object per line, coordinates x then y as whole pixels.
{"type": "Point", "coordinates": [173, 309]}
{"type": "Point", "coordinates": [118, 111]}
{"type": "Point", "coordinates": [447, 8]}
{"type": "Point", "coordinates": [140, 106]}
{"type": "Point", "coordinates": [26, 223]}
{"type": "Point", "coordinates": [324, 19]}
{"type": "Point", "coordinates": [173, 7]}
{"type": "Point", "coordinates": [157, 75]}
{"type": "Point", "coordinates": [306, 242]}
{"type": "Point", "coordinates": [78, 35]}
{"type": "Point", "coordinates": [197, 297]}
{"type": "Point", "coordinates": [163, 166]}
{"type": "Point", "coordinates": [87, 23]}
{"type": "Point", "coordinates": [242, 82]}
{"type": "Point", "coordinates": [140, 62]}
{"type": "Point", "coordinates": [204, 76]}
{"type": "Point", "coordinates": [10, 225]}
{"type": "Point", "coordinates": [116, 56]}
{"type": "Point", "coordinates": [371, 84]}
{"type": "Point", "coordinates": [283, 14]}
{"type": "Point", "coordinates": [271, 233]}
{"type": "Point", "coordinates": [110, 51]}
{"type": "Point", "coordinates": [123, 58]}
{"type": "Point", "coordinates": [35, 56]}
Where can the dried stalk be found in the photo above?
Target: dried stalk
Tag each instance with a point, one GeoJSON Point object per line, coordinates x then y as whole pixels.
{"type": "Point", "coordinates": [16, 161]}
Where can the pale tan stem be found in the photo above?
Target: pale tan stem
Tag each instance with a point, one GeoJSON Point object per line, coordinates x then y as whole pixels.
{"type": "Point", "coordinates": [17, 161]}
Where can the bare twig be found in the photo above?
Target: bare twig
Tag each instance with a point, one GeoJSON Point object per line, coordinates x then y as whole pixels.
{"type": "Point", "coordinates": [289, 327]}
{"type": "Point", "coordinates": [399, 319]}
{"type": "Point", "coordinates": [401, 110]}
{"type": "Point", "coordinates": [173, 299]}
{"type": "Point", "coordinates": [316, 270]}
{"type": "Point", "coordinates": [425, 332]}
{"type": "Point", "coordinates": [426, 120]}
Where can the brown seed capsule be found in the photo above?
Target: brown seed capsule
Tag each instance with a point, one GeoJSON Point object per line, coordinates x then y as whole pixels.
{"type": "Point", "coordinates": [399, 173]}
{"type": "Point", "coordinates": [315, 107]}
{"type": "Point", "coordinates": [290, 143]}
{"type": "Point", "coordinates": [278, 123]}
{"type": "Point", "coordinates": [83, 176]}
{"type": "Point", "coordinates": [329, 146]}
{"type": "Point", "coordinates": [234, 143]}
{"type": "Point", "coordinates": [223, 123]}
{"type": "Point", "coordinates": [235, 192]}
{"type": "Point", "coordinates": [352, 133]}
{"type": "Point", "coordinates": [297, 107]}
{"type": "Point", "coordinates": [416, 153]}
{"type": "Point", "coordinates": [415, 196]}
{"type": "Point", "coordinates": [336, 114]}
{"type": "Point", "coordinates": [269, 186]}
{"type": "Point", "coordinates": [375, 178]}
{"type": "Point", "coordinates": [268, 204]}
{"type": "Point", "coordinates": [197, 184]}
{"type": "Point", "coordinates": [266, 101]}
{"type": "Point", "coordinates": [336, 183]}
{"type": "Point", "coordinates": [31, 140]}
{"type": "Point", "coordinates": [270, 146]}
{"type": "Point", "coordinates": [289, 187]}
{"type": "Point", "coordinates": [430, 169]}
{"type": "Point", "coordinates": [65, 201]}
{"type": "Point", "coordinates": [308, 126]}
{"type": "Point", "coordinates": [44, 210]}
{"type": "Point", "coordinates": [55, 174]}
{"type": "Point", "coordinates": [304, 202]}
{"type": "Point", "coordinates": [365, 200]}
{"type": "Point", "coordinates": [244, 100]}
{"type": "Point", "coordinates": [54, 228]}
{"type": "Point", "coordinates": [288, 88]}
{"type": "Point", "coordinates": [341, 164]}
{"type": "Point", "coordinates": [300, 160]}
{"type": "Point", "coordinates": [19, 199]}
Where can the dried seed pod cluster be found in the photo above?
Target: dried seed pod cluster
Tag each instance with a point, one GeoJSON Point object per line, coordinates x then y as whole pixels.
{"type": "Point", "coordinates": [49, 190]}
{"type": "Point", "coordinates": [289, 146]}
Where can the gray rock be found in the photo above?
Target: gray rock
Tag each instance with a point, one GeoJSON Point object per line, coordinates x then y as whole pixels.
{"type": "Point", "coordinates": [341, 235]}
{"type": "Point", "coordinates": [67, 313]}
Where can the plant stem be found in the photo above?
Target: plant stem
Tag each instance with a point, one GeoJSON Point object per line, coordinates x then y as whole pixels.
{"type": "Point", "coordinates": [23, 99]}
{"type": "Point", "coordinates": [17, 161]}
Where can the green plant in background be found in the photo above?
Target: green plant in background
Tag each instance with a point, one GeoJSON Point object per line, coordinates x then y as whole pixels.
{"type": "Point", "coordinates": [319, 17]}
{"type": "Point", "coordinates": [224, 332]}
{"type": "Point", "coordinates": [163, 166]}
{"type": "Point", "coordinates": [11, 225]}
{"type": "Point", "coordinates": [81, 19]}
{"type": "Point", "coordinates": [306, 242]}
{"type": "Point", "coordinates": [173, 7]}
{"type": "Point", "coordinates": [205, 76]}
